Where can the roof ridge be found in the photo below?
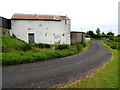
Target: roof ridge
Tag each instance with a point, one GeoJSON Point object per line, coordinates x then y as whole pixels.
{"type": "Point", "coordinates": [37, 14]}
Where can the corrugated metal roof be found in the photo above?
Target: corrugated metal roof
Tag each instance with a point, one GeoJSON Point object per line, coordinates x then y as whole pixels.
{"type": "Point", "coordinates": [37, 16]}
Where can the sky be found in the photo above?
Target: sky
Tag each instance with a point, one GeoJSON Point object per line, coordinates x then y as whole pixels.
{"type": "Point", "coordinates": [84, 14]}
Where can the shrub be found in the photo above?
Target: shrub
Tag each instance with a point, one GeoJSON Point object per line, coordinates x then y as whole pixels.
{"type": "Point", "coordinates": [4, 49]}
{"type": "Point", "coordinates": [113, 45]}
{"type": "Point", "coordinates": [40, 45]}
{"type": "Point", "coordinates": [78, 47]}
{"type": "Point", "coordinates": [20, 57]}
{"type": "Point", "coordinates": [46, 46]}
{"type": "Point", "coordinates": [61, 47]}
{"type": "Point", "coordinates": [26, 47]}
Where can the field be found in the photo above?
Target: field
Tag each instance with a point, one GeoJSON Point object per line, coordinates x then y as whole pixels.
{"type": "Point", "coordinates": [15, 51]}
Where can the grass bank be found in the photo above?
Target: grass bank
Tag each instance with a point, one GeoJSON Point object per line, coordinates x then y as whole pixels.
{"type": "Point", "coordinates": [106, 77]}
{"type": "Point", "coordinates": [11, 44]}
{"type": "Point", "coordinates": [16, 51]}
{"type": "Point", "coordinates": [112, 44]}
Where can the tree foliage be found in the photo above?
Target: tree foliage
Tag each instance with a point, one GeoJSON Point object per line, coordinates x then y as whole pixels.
{"type": "Point", "coordinates": [110, 33]}
{"type": "Point", "coordinates": [103, 33]}
{"type": "Point", "coordinates": [98, 31]}
{"type": "Point", "coordinates": [90, 33]}
{"type": "Point", "coordinates": [98, 35]}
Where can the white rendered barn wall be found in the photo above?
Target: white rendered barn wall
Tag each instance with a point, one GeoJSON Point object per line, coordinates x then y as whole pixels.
{"type": "Point", "coordinates": [50, 32]}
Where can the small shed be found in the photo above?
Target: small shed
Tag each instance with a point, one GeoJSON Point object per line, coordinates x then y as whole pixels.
{"type": "Point", "coordinates": [77, 37]}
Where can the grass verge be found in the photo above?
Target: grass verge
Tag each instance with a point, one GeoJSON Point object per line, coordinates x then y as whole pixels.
{"type": "Point", "coordinates": [10, 44]}
{"type": "Point", "coordinates": [87, 45]}
{"type": "Point", "coordinates": [106, 77]}
{"type": "Point", "coordinates": [38, 54]}
{"type": "Point", "coordinates": [15, 51]}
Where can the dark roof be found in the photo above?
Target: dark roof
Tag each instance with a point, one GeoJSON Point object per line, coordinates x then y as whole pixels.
{"type": "Point", "coordinates": [77, 32]}
{"type": "Point", "coordinates": [5, 23]}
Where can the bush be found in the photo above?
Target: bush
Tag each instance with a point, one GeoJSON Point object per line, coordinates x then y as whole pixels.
{"type": "Point", "coordinates": [4, 49]}
{"type": "Point", "coordinates": [116, 39]}
{"type": "Point", "coordinates": [46, 46]}
{"type": "Point", "coordinates": [61, 47]}
{"type": "Point", "coordinates": [26, 47]}
{"type": "Point", "coordinates": [113, 45]}
{"type": "Point", "coordinates": [79, 48]}
{"type": "Point", "coordinates": [40, 45]}
{"type": "Point", "coordinates": [21, 57]}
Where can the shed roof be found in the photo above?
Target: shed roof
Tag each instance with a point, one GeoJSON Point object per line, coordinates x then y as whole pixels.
{"type": "Point", "coordinates": [38, 16]}
{"type": "Point", "coordinates": [77, 32]}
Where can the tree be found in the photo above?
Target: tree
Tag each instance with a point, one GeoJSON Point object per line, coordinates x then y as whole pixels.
{"type": "Point", "coordinates": [90, 33]}
{"type": "Point", "coordinates": [110, 33]}
{"type": "Point", "coordinates": [98, 31]}
{"type": "Point", "coordinates": [103, 33]}
{"type": "Point", "coordinates": [118, 35]}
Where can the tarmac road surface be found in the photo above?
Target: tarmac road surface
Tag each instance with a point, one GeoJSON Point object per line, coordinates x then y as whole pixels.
{"type": "Point", "coordinates": [55, 72]}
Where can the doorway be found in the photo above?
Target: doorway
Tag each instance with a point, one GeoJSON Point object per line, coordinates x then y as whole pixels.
{"type": "Point", "coordinates": [31, 37]}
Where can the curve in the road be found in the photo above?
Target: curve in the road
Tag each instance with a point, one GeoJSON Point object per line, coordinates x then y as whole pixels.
{"type": "Point", "coordinates": [55, 72]}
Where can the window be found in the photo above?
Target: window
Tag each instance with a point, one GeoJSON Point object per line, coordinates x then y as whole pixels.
{"type": "Point", "coordinates": [29, 28]}
{"type": "Point", "coordinates": [40, 25]}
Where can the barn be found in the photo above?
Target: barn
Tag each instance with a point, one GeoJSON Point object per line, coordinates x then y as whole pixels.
{"type": "Point", "coordinates": [35, 28]}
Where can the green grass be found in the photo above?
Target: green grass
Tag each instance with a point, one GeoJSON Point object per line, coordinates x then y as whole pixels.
{"type": "Point", "coordinates": [18, 52]}
{"type": "Point", "coordinates": [113, 45]}
{"type": "Point", "coordinates": [10, 44]}
{"type": "Point", "coordinates": [106, 77]}
{"type": "Point", "coordinates": [102, 38]}
{"type": "Point", "coordinates": [86, 47]}
{"type": "Point", "coordinates": [20, 57]}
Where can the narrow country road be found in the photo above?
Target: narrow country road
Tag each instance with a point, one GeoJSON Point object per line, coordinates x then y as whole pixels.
{"type": "Point", "coordinates": [55, 72]}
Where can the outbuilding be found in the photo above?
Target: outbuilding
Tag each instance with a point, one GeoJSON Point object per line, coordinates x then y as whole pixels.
{"type": "Point", "coordinates": [5, 25]}
{"type": "Point", "coordinates": [77, 37]}
{"type": "Point", "coordinates": [35, 28]}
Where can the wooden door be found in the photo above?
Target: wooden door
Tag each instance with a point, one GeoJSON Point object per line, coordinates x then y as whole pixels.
{"type": "Point", "coordinates": [31, 37]}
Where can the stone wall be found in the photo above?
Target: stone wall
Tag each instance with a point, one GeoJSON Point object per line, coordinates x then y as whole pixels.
{"type": "Point", "coordinates": [4, 31]}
